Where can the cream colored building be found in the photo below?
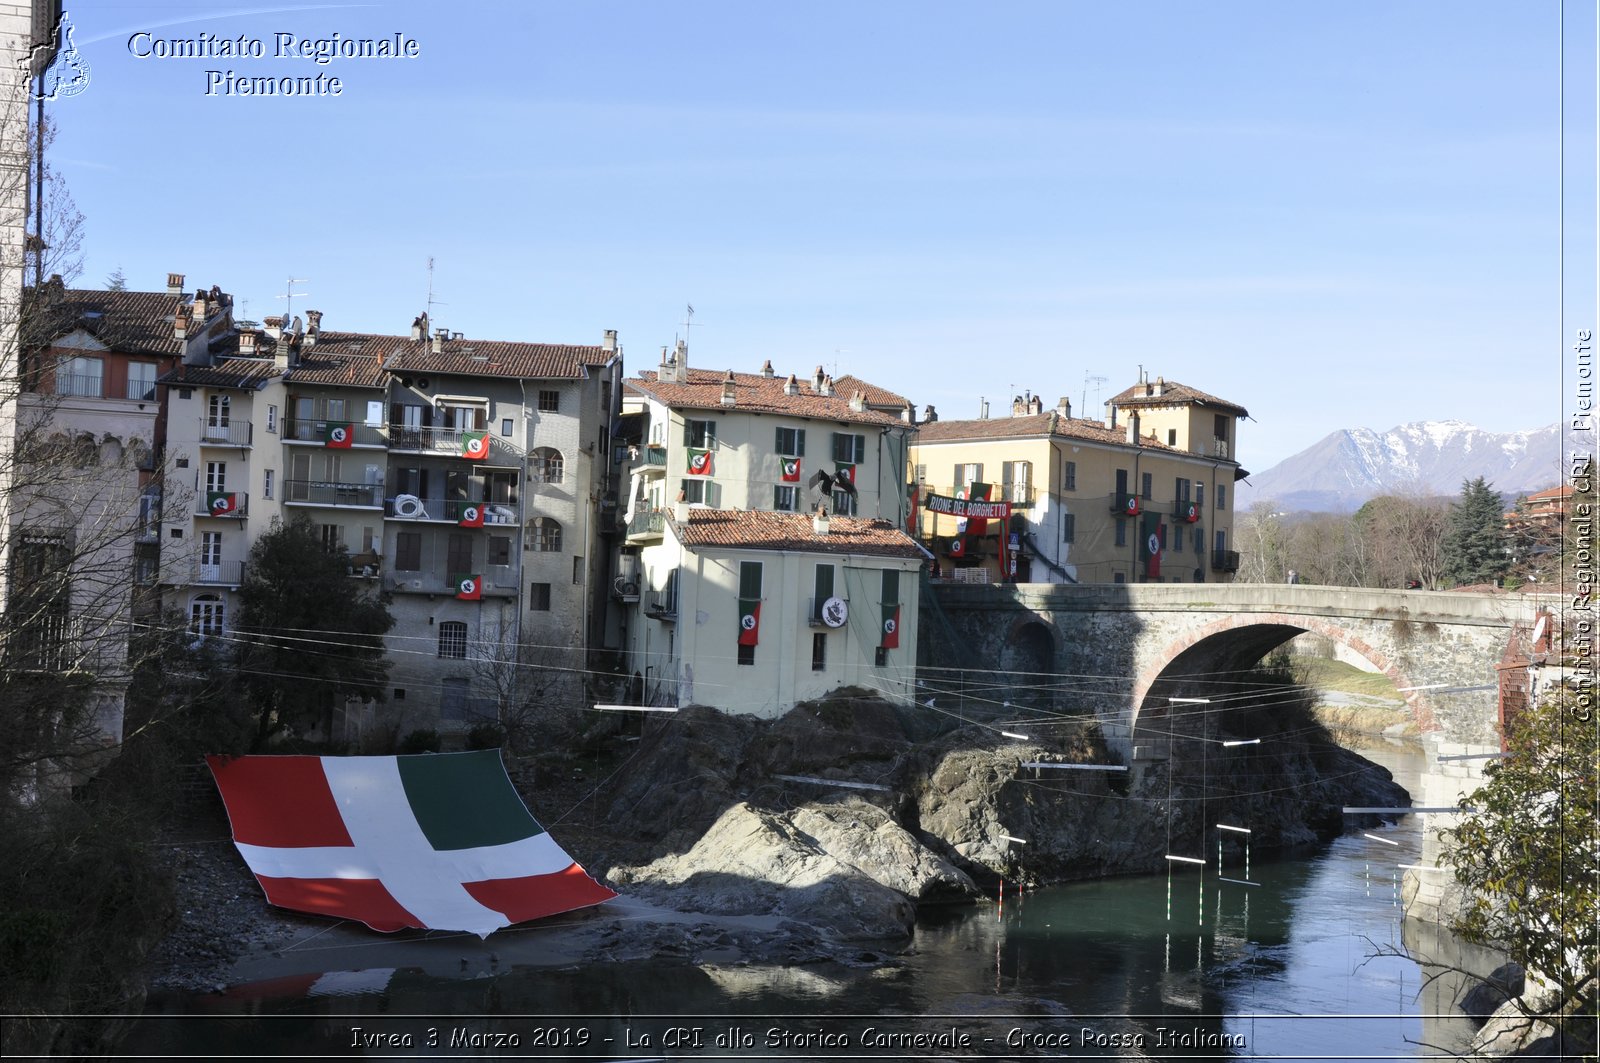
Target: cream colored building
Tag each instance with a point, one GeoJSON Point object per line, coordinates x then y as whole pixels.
{"type": "Point", "coordinates": [1087, 496]}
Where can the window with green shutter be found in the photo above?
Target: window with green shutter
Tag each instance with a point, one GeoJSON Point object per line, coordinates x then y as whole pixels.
{"type": "Point", "coordinates": [750, 580]}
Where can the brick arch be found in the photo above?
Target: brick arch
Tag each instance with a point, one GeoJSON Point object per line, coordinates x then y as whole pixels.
{"type": "Point", "coordinates": [1416, 701]}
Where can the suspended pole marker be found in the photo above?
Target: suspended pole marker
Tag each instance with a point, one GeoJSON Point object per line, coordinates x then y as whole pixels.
{"type": "Point", "coordinates": [1013, 734]}
{"type": "Point", "coordinates": [1072, 767]}
{"type": "Point", "coordinates": [1243, 742]}
{"type": "Point", "coordinates": [1376, 838]}
{"type": "Point", "coordinates": [1473, 756]}
{"type": "Point", "coordinates": [834, 782]}
{"type": "Point", "coordinates": [1009, 838]}
{"type": "Point", "coordinates": [1405, 811]}
{"type": "Point", "coordinates": [633, 708]}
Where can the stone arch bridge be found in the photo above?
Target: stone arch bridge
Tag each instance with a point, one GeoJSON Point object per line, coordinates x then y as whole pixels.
{"type": "Point", "coordinates": [1134, 646]}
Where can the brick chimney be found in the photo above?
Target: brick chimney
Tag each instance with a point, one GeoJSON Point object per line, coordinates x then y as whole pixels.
{"type": "Point", "coordinates": [908, 414]}
{"type": "Point", "coordinates": [247, 342]}
{"type": "Point", "coordinates": [1111, 416]}
{"type": "Point", "coordinates": [858, 402]}
{"type": "Point", "coordinates": [816, 380]}
{"type": "Point", "coordinates": [273, 327]}
{"type": "Point", "coordinates": [200, 310]}
{"type": "Point", "coordinates": [766, 369]}
{"type": "Point", "coordinates": [1064, 408]}
{"type": "Point", "coordinates": [174, 284]}
{"type": "Point", "coordinates": [819, 520]}
{"type": "Point", "coordinates": [727, 389]}
{"type": "Point", "coordinates": [791, 386]}
{"type": "Point", "coordinates": [827, 386]}
{"type": "Point", "coordinates": [314, 326]}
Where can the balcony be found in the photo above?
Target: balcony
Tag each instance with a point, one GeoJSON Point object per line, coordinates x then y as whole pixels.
{"type": "Point", "coordinates": [222, 504]}
{"type": "Point", "coordinates": [814, 612]}
{"type": "Point", "coordinates": [445, 510]}
{"type": "Point", "coordinates": [140, 390]}
{"type": "Point", "coordinates": [325, 493]}
{"type": "Point", "coordinates": [662, 606]}
{"type": "Point", "coordinates": [1127, 504]}
{"type": "Point", "coordinates": [649, 460]}
{"type": "Point", "coordinates": [366, 566]}
{"type": "Point", "coordinates": [1016, 494]}
{"type": "Point", "coordinates": [448, 442]}
{"type": "Point", "coordinates": [77, 385]}
{"type": "Point", "coordinates": [1185, 510]}
{"type": "Point", "coordinates": [298, 430]}
{"type": "Point", "coordinates": [1224, 560]}
{"type": "Point", "coordinates": [648, 526]}
{"type": "Point", "coordinates": [221, 574]}
{"type": "Point", "coordinates": [232, 434]}
{"type": "Point", "coordinates": [1219, 448]}
{"type": "Point", "coordinates": [499, 582]}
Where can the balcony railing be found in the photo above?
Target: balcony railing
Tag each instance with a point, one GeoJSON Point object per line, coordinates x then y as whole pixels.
{"type": "Point", "coordinates": [232, 434]}
{"type": "Point", "coordinates": [501, 581]}
{"type": "Point", "coordinates": [312, 430]}
{"type": "Point", "coordinates": [650, 525]}
{"type": "Point", "coordinates": [650, 459]}
{"type": "Point", "coordinates": [446, 510]}
{"type": "Point", "coordinates": [1127, 503]}
{"type": "Point", "coordinates": [1186, 510]}
{"type": "Point", "coordinates": [325, 493]}
{"type": "Point", "coordinates": [1225, 560]}
{"type": "Point", "coordinates": [662, 607]}
{"type": "Point", "coordinates": [1016, 494]}
{"type": "Point", "coordinates": [140, 390]}
{"type": "Point", "coordinates": [222, 504]}
{"type": "Point", "coordinates": [79, 385]}
{"type": "Point", "coordinates": [221, 574]}
{"type": "Point", "coordinates": [448, 441]}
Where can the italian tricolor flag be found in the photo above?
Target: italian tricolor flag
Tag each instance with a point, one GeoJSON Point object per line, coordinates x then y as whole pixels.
{"type": "Point", "coordinates": [437, 841]}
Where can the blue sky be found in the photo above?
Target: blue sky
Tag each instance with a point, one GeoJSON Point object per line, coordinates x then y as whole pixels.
{"type": "Point", "coordinates": [1338, 215]}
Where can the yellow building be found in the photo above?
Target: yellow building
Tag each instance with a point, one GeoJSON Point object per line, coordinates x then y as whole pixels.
{"type": "Point", "coordinates": [1145, 495]}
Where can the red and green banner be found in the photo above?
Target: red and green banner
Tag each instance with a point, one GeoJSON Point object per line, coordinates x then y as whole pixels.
{"type": "Point", "coordinates": [469, 514]}
{"type": "Point", "coordinates": [978, 516]}
{"type": "Point", "coordinates": [844, 471]}
{"type": "Point", "coordinates": [1155, 537]}
{"type": "Point", "coordinates": [221, 503]}
{"type": "Point", "coordinates": [1191, 512]}
{"type": "Point", "coordinates": [1130, 505]}
{"type": "Point", "coordinates": [699, 463]}
{"type": "Point", "coordinates": [338, 436]}
{"type": "Point", "coordinates": [475, 445]}
{"type": "Point", "coordinates": [749, 621]}
{"type": "Point", "coordinates": [436, 841]}
{"type": "Point", "coordinates": [891, 626]}
{"type": "Point", "coordinates": [791, 470]}
{"type": "Point", "coordinates": [469, 586]}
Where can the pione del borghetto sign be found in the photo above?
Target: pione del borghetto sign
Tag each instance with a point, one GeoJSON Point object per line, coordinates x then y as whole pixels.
{"type": "Point", "coordinates": [967, 507]}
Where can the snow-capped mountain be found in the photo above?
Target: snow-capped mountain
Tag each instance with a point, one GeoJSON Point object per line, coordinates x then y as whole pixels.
{"type": "Point", "coordinates": [1346, 468]}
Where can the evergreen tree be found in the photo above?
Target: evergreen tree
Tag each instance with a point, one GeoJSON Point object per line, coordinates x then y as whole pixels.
{"type": "Point", "coordinates": [1474, 547]}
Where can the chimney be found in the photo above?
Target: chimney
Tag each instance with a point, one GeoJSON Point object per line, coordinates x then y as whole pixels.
{"type": "Point", "coordinates": [827, 386]}
{"type": "Point", "coordinates": [1111, 416]}
{"type": "Point", "coordinates": [439, 336]}
{"type": "Point", "coordinates": [180, 323]}
{"type": "Point", "coordinates": [273, 327]}
{"type": "Point", "coordinates": [819, 522]}
{"type": "Point", "coordinates": [1019, 406]}
{"type": "Point", "coordinates": [1133, 428]}
{"type": "Point", "coordinates": [200, 313]}
{"type": "Point", "coordinates": [816, 380]}
{"type": "Point", "coordinates": [983, 409]}
{"type": "Point", "coordinates": [419, 328]}
{"type": "Point", "coordinates": [929, 414]}
{"type": "Point", "coordinates": [766, 369]}
{"type": "Point", "coordinates": [174, 284]}
{"type": "Point", "coordinates": [314, 322]}
{"type": "Point", "coordinates": [727, 389]}
{"type": "Point", "coordinates": [1064, 408]}
{"type": "Point", "coordinates": [1160, 386]}
{"type": "Point", "coordinates": [680, 509]}
{"type": "Point", "coordinates": [608, 340]}
{"type": "Point", "coordinates": [908, 414]}
{"type": "Point", "coordinates": [247, 342]}
{"type": "Point", "coordinates": [1035, 404]}
{"type": "Point", "coordinates": [858, 401]}
{"type": "Point", "coordinates": [791, 386]}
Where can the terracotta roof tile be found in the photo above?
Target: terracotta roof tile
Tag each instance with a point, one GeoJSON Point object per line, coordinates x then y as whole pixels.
{"type": "Point", "coordinates": [347, 359]}
{"type": "Point", "coordinates": [1172, 394]}
{"type": "Point", "coordinates": [754, 392]}
{"type": "Point", "coordinates": [251, 374]}
{"type": "Point", "coordinates": [766, 530]}
{"type": "Point", "coordinates": [875, 396]}
{"type": "Point", "coordinates": [1030, 426]}
{"type": "Point", "coordinates": [134, 322]}
{"type": "Point", "coordinates": [464, 357]}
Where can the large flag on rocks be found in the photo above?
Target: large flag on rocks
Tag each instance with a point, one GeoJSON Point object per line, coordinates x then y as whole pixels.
{"type": "Point", "coordinates": [437, 841]}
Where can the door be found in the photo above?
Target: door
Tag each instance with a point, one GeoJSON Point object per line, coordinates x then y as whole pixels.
{"type": "Point", "coordinates": [210, 557]}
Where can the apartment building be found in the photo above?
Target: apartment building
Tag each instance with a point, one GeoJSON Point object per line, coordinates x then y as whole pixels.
{"type": "Point", "coordinates": [765, 560]}
{"type": "Point", "coordinates": [1146, 494]}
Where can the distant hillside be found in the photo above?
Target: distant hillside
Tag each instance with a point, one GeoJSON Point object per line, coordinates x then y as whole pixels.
{"type": "Point", "coordinates": [1350, 466]}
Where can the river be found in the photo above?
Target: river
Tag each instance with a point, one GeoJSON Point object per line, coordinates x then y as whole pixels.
{"type": "Point", "coordinates": [1298, 964]}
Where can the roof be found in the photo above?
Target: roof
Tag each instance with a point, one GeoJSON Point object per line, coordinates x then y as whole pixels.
{"type": "Point", "coordinates": [250, 374]}
{"type": "Point", "coordinates": [848, 385]}
{"type": "Point", "coordinates": [132, 322]}
{"type": "Point", "coordinates": [765, 530]}
{"type": "Point", "coordinates": [1030, 426]}
{"type": "Point", "coordinates": [464, 357]}
{"type": "Point", "coordinates": [757, 393]}
{"type": "Point", "coordinates": [1172, 393]}
{"type": "Point", "coordinates": [348, 359]}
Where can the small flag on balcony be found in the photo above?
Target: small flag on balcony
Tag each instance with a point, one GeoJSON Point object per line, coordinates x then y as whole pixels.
{"type": "Point", "coordinates": [699, 463]}
{"type": "Point", "coordinates": [221, 503]}
{"type": "Point", "coordinates": [475, 445]}
{"type": "Point", "coordinates": [891, 626]}
{"type": "Point", "coordinates": [958, 546]}
{"type": "Point", "coordinates": [791, 470]}
{"type": "Point", "coordinates": [469, 588]}
{"type": "Point", "coordinates": [1130, 506]}
{"type": "Point", "coordinates": [749, 621]}
{"type": "Point", "coordinates": [1191, 512]}
{"type": "Point", "coordinates": [470, 515]}
{"type": "Point", "coordinates": [339, 436]}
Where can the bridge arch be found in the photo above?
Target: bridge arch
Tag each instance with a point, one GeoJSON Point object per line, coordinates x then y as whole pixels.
{"type": "Point", "coordinates": [1029, 653]}
{"type": "Point", "coordinates": [1236, 643]}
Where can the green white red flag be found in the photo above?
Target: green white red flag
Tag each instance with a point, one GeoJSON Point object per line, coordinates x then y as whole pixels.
{"type": "Point", "coordinates": [891, 627]}
{"type": "Point", "coordinates": [475, 445]}
{"type": "Point", "coordinates": [699, 463]}
{"type": "Point", "coordinates": [469, 587]}
{"type": "Point", "coordinates": [221, 503]}
{"type": "Point", "coordinates": [791, 470]}
{"type": "Point", "coordinates": [749, 621]}
{"type": "Point", "coordinates": [470, 515]}
{"type": "Point", "coordinates": [1154, 539]}
{"type": "Point", "coordinates": [436, 841]}
{"type": "Point", "coordinates": [338, 436]}
{"type": "Point", "coordinates": [844, 471]}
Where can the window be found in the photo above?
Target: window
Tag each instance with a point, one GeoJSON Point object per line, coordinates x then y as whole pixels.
{"type": "Point", "coordinates": [967, 474]}
{"type": "Point", "coordinates": [453, 640]}
{"type": "Point", "coordinates": [577, 570]}
{"type": "Point", "coordinates": [142, 381]}
{"type": "Point", "coordinates": [1122, 532]}
{"type": "Point", "coordinates": [850, 449]}
{"type": "Point", "coordinates": [1117, 577]}
{"type": "Point", "coordinates": [499, 549]}
{"type": "Point", "coordinates": [791, 442]}
{"type": "Point", "coordinates": [1069, 477]}
{"type": "Point", "coordinates": [267, 478]}
{"type": "Point", "coordinates": [505, 426]}
{"type": "Point", "coordinates": [1069, 527]}
{"type": "Point", "coordinates": [545, 535]}
{"type": "Point", "coordinates": [546, 466]}
{"type": "Point", "coordinates": [1222, 541]}
{"type": "Point", "coordinates": [1122, 483]}
{"type": "Point", "coordinates": [335, 410]}
{"type": "Point", "coordinates": [453, 699]}
{"type": "Point", "coordinates": [458, 552]}
{"type": "Point", "coordinates": [881, 657]}
{"type": "Point", "coordinates": [1016, 481]}
{"type": "Point", "coordinates": [408, 551]}
{"type": "Point", "coordinates": [921, 474]}
{"type": "Point", "coordinates": [702, 435]}
{"type": "Point", "coordinates": [549, 401]}
{"type": "Point", "coordinates": [708, 492]}
{"type": "Point", "coordinates": [218, 411]}
{"type": "Point", "coordinates": [78, 376]}
{"type": "Point", "coordinates": [1222, 496]}
{"type": "Point", "coordinates": [822, 588]}
{"type": "Point", "coordinates": [272, 418]}
{"type": "Point", "coordinates": [210, 548]}
{"type": "Point", "coordinates": [1146, 486]}
{"type": "Point", "coordinates": [844, 503]}
{"type": "Point", "coordinates": [332, 537]}
{"type": "Point", "coordinates": [1219, 427]}
{"type": "Point", "coordinates": [1177, 537]}
{"type": "Point", "coordinates": [539, 597]}
{"type": "Point", "coordinates": [1199, 539]}
{"type": "Point", "coordinates": [206, 616]}
{"type": "Point", "coordinates": [785, 498]}
{"type": "Point", "coordinates": [1180, 489]}
{"type": "Point", "coordinates": [819, 652]}
{"type": "Point", "coordinates": [747, 654]}
{"type": "Point", "coordinates": [216, 476]}
{"type": "Point", "coordinates": [1172, 437]}
{"type": "Point", "coordinates": [891, 587]}
{"type": "Point", "coordinates": [500, 488]}
{"type": "Point", "coordinates": [1200, 495]}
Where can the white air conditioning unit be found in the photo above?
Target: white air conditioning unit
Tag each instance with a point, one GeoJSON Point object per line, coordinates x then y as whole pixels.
{"type": "Point", "coordinates": [409, 507]}
{"type": "Point", "coordinates": [623, 587]}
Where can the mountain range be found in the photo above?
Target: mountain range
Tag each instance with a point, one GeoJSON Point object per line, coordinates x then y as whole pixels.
{"type": "Point", "coordinates": [1346, 468]}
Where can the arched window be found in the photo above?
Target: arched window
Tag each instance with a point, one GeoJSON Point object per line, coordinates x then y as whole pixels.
{"type": "Point", "coordinates": [545, 466]}
{"type": "Point", "coordinates": [453, 639]}
{"type": "Point", "coordinates": [206, 616]}
{"type": "Point", "coordinates": [544, 535]}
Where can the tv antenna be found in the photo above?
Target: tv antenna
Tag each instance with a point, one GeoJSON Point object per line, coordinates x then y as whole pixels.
{"type": "Point", "coordinates": [288, 298]}
{"type": "Point", "coordinates": [432, 302]}
{"type": "Point", "coordinates": [1098, 382]}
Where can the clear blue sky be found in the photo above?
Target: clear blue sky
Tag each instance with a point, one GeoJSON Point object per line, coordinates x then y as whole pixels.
{"type": "Point", "coordinates": [1337, 215]}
